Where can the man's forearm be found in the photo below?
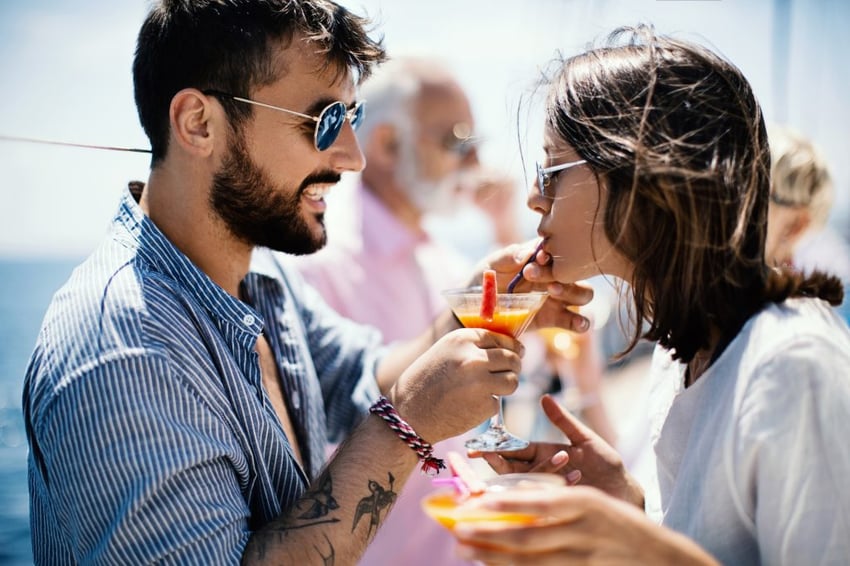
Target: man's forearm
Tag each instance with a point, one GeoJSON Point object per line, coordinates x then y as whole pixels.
{"type": "Point", "coordinates": [403, 354]}
{"type": "Point", "coordinates": [340, 513]}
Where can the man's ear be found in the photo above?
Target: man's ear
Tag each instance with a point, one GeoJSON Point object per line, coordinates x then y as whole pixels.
{"type": "Point", "coordinates": [382, 147]}
{"type": "Point", "coordinates": [192, 125]}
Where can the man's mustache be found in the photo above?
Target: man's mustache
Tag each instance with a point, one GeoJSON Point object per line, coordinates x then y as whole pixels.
{"type": "Point", "coordinates": [323, 178]}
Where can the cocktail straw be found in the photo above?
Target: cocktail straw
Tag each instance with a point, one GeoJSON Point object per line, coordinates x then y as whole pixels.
{"type": "Point", "coordinates": [518, 277]}
{"type": "Point", "coordinates": [456, 482]}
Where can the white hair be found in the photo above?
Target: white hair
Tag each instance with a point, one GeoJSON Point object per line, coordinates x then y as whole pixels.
{"type": "Point", "coordinates": [392, 90]}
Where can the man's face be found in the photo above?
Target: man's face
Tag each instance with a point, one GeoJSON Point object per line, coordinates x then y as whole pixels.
{"type": "Point", "coordinates": [269, 188]}
{"type": "Point", "coordinates": [430, 164]}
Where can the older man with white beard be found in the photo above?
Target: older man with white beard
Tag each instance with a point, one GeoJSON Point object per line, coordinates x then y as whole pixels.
{"type": "Point", "coordinates": [381, 266]}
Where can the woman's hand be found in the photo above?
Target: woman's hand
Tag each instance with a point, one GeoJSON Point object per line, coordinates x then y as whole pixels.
{"type": "Point", "coordinates": [561, 306]}
{"type": "Point", "coordinates": [586, 460]}
{"type": "Point", "coordinates": [582, 526]}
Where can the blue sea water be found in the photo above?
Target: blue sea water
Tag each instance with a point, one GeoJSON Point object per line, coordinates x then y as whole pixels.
{"type": "Point", "coordinates": [26, 287]}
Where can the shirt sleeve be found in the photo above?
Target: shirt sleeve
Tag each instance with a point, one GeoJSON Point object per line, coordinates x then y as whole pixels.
{"type": "Point", "coordinates": [792, 458]}
{"type": "Point", "coordinates": [139, 469]}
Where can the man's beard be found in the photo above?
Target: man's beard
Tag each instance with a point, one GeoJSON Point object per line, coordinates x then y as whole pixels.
{"type": "Point", "coordinates": [259, 213]}
{"type": "Point", "coordinates": [441, 196]}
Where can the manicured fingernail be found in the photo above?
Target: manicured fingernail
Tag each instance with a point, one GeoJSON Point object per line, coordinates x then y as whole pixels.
{"type": "Point", "coordinates": [532, 270]}
{"type": "Point", "coordinates": [555, 289]}
{"type": "Point", "coordinates": [573, 476]}
{"type": "Point", "coordinates": [559, 458]}
{"type": "Point", "coordinates": [583, 324]}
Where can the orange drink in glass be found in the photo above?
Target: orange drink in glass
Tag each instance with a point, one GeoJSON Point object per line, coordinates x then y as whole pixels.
{"type": "Point", "coordinates": [512, 315]}
{"type": "Point", "coordinates": [448, 507]}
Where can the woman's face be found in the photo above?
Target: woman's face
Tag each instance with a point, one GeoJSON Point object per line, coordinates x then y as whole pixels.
{"type": "Point", "coordinates": [571, 220]}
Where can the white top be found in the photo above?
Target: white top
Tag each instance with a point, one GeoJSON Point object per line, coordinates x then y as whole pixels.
{"type": "Point", "coordinates": [753, 460]}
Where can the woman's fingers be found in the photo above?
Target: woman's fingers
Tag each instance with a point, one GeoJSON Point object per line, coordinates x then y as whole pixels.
{"type": "Point", "coordinates": [572, 428]}
{"type": "Point", "coordinates": [553, 464]}
{"type": "Point", "coordinates": [492, 557]}
{"type": "Point", "coordinates": [500, 464]}
{"type": "Point", "coordinates": [564, 511]}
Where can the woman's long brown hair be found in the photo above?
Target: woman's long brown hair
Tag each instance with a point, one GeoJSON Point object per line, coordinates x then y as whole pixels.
{"type": "Point", "coordinates": [678, 142]}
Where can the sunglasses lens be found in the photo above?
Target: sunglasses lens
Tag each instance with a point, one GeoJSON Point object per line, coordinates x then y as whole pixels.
{"type": "Point", "coordinates": [329, 126]}
{"type": "Point", "coordinates": [541, 180]}
{"type": "Point", "coordinates": [359, 115]}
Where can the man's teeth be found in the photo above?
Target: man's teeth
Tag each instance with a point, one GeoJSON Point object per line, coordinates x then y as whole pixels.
{"type": "Point", "coordinates": [316, 192]}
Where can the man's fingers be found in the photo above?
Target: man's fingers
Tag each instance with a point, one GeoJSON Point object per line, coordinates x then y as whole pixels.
{"type": "Point", "coordinates": [499, 359]}
{"type": "Point", "coordinates": [488, 339]}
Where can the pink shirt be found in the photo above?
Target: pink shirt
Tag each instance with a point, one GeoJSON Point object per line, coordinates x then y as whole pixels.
{"type": "Point", "coordinates": [377, 271]}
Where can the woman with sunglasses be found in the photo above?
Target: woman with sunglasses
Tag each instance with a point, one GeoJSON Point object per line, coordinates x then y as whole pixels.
{"type": "Point", "coordinates": [657, 174]}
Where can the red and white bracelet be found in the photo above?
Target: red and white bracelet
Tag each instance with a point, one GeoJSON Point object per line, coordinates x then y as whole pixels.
{"type": "Point", "coordinates": [431, 466]}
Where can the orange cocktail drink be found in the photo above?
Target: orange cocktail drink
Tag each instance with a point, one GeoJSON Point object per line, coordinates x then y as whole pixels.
{"type": "Point", "coordinates": [510, 322]}
{"type": "Point", "coordinates": [449, 508]}
{"type": "Point", "coordinates": [512, 315]}
{"type": "Point", "coordinates": [505, 313]}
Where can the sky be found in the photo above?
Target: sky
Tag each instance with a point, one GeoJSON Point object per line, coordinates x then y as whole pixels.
{"type": "Point", "coordinates": [66, 69]}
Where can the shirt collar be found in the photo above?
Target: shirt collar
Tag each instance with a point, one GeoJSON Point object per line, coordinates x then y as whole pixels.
{"type": "Point", "coordinates": [136, 230]}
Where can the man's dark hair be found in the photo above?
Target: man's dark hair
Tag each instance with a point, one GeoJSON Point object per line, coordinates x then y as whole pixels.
{"type": "Point", "coordinates": [228, 45]}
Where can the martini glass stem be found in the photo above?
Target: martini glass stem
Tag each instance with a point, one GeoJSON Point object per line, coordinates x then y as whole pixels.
{"type": "Point", "coordinates": [497, 421]}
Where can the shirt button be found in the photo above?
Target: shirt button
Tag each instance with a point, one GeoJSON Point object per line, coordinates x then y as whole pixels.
{"type": "Point", "coordinates": [296, 400]}
{"type": "Point", "coordinates": [248, 319]}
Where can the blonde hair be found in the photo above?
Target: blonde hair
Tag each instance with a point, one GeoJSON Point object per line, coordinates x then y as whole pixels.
{"type": "Point", "coordinates": [799, 174]}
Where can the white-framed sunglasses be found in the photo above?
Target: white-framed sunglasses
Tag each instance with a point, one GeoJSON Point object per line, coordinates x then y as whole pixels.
{"type": "Point", "coordinates": [329, 122]}
{"type": "Point", "coordinates": [545, 174]}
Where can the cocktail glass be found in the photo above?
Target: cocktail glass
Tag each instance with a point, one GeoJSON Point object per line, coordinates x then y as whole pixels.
{"type": "Point", "coordinates": [513, 314]}
{"type": "Point", "coordinates": [448, 507]}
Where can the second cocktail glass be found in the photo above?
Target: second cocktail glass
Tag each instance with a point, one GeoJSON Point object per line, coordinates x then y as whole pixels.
{"type": "Point", "coordinates": [513, 314]}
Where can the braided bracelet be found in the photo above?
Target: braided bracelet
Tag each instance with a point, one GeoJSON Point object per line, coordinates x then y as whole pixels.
{"type": "Point", "coordinates": [431, 466]}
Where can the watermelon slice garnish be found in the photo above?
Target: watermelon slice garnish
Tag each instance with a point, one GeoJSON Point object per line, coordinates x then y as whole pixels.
{"type": "Point", "coordinates": [488, 294]}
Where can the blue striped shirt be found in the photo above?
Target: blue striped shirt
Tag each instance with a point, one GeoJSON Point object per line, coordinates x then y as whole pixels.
{"type": "Point", "coordinates": [151, 436]}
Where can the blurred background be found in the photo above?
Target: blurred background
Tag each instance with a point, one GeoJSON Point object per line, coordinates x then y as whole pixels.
{"type": "Point", "coordinates": [66, 68]}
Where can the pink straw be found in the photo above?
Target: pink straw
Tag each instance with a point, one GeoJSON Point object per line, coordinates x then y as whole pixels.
{"type": "Point", "coordinates": [456, 482]}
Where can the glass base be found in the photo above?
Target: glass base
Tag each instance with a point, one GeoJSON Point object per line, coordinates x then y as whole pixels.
{"type": "Point", "coordinates": [496, 439]}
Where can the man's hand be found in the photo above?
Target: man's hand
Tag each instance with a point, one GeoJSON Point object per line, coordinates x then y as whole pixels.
{"type": "Point", "coordinates": [450, 388]}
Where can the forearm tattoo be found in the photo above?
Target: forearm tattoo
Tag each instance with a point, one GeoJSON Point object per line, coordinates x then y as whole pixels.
{"type": "Point", "coordinates": [320, 501]}
{"type": "Point", "coordinates": [316, 507]}
{"type": "Point", "coordinates": [330, 558]}
{"type": "Point", "coordinates": [378, 499]}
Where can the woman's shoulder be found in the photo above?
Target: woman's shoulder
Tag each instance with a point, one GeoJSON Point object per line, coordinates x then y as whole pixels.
{"type": "Point", "coordinates": [792, 349]}
{"type": "Point", "coordinates": [793, 323]}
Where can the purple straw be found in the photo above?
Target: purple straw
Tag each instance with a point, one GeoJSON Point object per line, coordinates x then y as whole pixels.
{"type": "Point", "coordinates": [518, 277]}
